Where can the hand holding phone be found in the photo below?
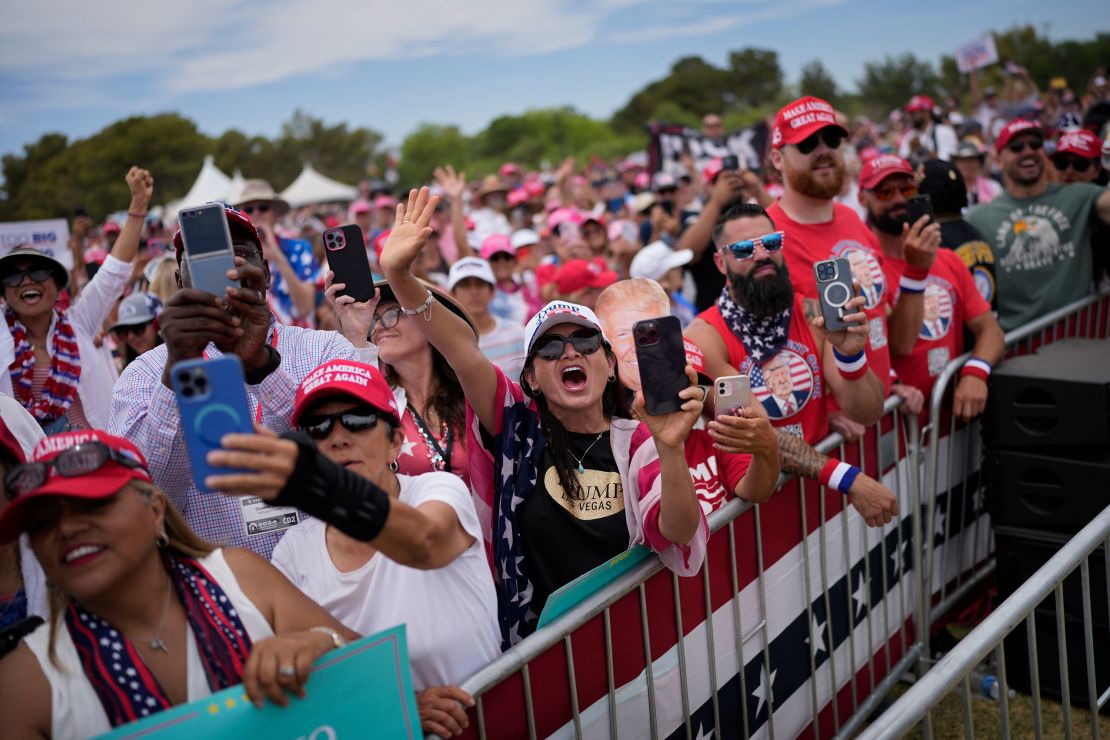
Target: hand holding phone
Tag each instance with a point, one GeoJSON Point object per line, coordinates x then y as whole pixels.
{"type": "Point", "coordinates": [347, 258]}
{"type": "Point", "coordinates": [731, 393]}
{"type": "Point", "coordinates": [834, 290]}
{"type": "Point", "coordinates": [662, 359]}
{"type": "Point", "coordinates": [212, 401]}
{"type": "Point", "coordinates": [731, 162]}
{"type": "Point", "coordinates": [918, 206]}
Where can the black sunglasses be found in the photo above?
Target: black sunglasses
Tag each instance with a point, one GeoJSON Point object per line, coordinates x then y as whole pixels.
{"type": "Point", "coordinates": [551, 347]}
{"type": "Point", "coordinates": [1018, 147]}
{"type": "Point", "coordinates": [37, 275]}
{"type": "Point", "coordinates": [127, 329]}
{"type": "Point", "coordinates": [831, 136]}
{"type": "Point", "coordinates": [257, 208]}
{"type": "Point", "coordinates": [359, 419]}
{"type": "Point", "coordinates": [79, 460]}
{"type": "Point", "coordinates": [1078, 164]}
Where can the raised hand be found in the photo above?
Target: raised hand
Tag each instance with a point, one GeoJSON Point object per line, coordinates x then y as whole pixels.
{"type": "Point", "coordinates": [141, 184]}
{"type": "Point", "coordinates": [410, 232]}
{"type": "Point", "coordinates": [920, 242]}
{"type": "Point", "coordinates": [454, 185]}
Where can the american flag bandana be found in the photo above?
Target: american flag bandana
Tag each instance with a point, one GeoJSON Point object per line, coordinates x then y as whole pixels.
{"type": "Point", "coordinates": [761, 336]}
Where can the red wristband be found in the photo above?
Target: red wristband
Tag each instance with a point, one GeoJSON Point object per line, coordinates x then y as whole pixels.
{"type": "Point", "coordinates": [916, 273]}
{"type": "Point", "coordinates": [976, 368]}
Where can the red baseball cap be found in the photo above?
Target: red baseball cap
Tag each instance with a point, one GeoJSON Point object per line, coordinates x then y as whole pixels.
{"type": "Point", "coordinates": [1081, 143]}
{"type": "Point", "coordinates": [575, 275]}
{"type": "Point", "coordinates": [238, 222]}
{"type": "Point", "coordinates": [1014, 128]}
{"type": "Point", "coordinates": [110, 227]}
{"type": "Point", "coordinates": [101, 483]}
{"type": "Point", "coordinates": [509, 168]}
{"type": "Point", "coordinates": [801, 119]}
{"type": "Point", "coordinates": [696, 360]}
{"type": "Point", "coordinates": [711, 170]}
{"type": "Point", "coordinates": [346, 378]}
{"type": "Point", "coordinates": [880, 168]}
{"type": "Point", "coordinates": [920, 102]}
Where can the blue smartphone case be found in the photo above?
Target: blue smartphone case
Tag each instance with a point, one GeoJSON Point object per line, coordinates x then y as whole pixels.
{"type": "Point", "coordinates": [212, 400]}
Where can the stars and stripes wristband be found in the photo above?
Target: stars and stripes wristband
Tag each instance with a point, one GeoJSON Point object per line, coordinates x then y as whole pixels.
{"type": "Point", "coordinates": [913, 279]}
{"type": "Point", "coordinates": [851, 367]}
{"type": "Point", "coordinates": [839, 475]}
{"type": "Point", "coordinates": [976, 367]}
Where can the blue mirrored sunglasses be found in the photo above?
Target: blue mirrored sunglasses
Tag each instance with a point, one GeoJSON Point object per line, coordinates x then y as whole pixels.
{"type": "Point", "coordinates": [745, 249]}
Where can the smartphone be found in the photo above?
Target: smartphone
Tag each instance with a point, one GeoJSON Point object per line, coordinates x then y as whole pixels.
{"type": "Point", "coordinates": [348, 260]}
{"type": "Point", "coordinates": [208, 249]}
{"type": "Point", "coordinates": [834, 289]}
{"type": "Point", "coordinates": [731, 393]}
{"type": "Point", "coordinates": [731, 162]}
{"type": "Point", "coordinates": [662, 360]}
{"type": "Point", "coordinates": [918, 206]}
{"type": "Point", "coordinates": [212, 401]}
{"type": "Point", "coordinates": [79, 212]}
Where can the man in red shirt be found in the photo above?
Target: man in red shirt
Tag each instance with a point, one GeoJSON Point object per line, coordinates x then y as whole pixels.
{"type": "Point", "coordinates": [951, 300]}
{"type": "Point", "coordinates": [806, 149]}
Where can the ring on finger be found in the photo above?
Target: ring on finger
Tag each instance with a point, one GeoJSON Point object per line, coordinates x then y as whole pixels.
{"type": "Point", "coordinates": [287, 671]}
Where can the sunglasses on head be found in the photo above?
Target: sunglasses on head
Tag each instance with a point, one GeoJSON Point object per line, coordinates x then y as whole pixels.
{"type": "Point", "coordinates": [37, 275]}
{"type": "Point", "coordinates": [743, 250]}
{"type": "Point", "coordinates": [551, 347]}
{"type": "Point", "coordinates": [387, 318]}
{"type": "Point", "coordinates": [256, 208]}
{"type": "Point", "coordinates": [831, 136]}
{"type": "Point", "coordinates": [128, 329]}
{"type": "Point", "coordinates": [359, 419]}
{"type": "Point", "coordinates": [1078, 164]}
{"type": "Point", "coordinates": [1018, 147]}
{"type": "Point", "coordinates": [886, 192]}
{"type": "Point", "coordinates": [79, 460]}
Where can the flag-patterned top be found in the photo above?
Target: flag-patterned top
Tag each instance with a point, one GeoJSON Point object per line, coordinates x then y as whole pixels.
{"type": "Point", "coordinates": [503, 475]}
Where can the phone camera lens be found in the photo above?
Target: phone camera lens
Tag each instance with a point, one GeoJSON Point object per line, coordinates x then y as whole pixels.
{"type": "Point", "coordinates": [187, 391]}
{"type": "Point", "coordinates": [201, 382]}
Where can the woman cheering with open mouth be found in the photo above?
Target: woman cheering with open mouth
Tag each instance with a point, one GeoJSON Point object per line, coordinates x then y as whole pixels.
{"type": "Point", "coordinates": [561, 483]}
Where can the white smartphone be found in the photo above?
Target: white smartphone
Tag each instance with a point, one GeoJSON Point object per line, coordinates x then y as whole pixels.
{"type": "Point", "coordinates": [732, 392]}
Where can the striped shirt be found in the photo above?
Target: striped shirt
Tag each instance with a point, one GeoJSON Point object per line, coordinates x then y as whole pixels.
{"type": "Point", "coordinates": [145, 412]}
{"type": "Point", "coordinates": [504, 346]}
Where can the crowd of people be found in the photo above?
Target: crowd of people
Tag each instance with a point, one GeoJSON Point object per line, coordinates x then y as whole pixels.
{"type": "Point", "coordinates": [451, 452]}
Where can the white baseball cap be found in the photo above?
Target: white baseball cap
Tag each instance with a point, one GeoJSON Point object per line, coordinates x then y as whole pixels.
{"type": "Point", "coordinates": [468, 267]}
{"type": "Point", "coordinates": [524, 238]}
{"type": "Point", "coordinates": [656, 259]}
{"type": "Point", "coordinates": [555, 313]}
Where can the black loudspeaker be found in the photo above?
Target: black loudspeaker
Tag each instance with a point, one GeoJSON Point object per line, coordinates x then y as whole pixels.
{"type": "Point", "coordinates": [1058, 398]}
{"type": "Point", "coordinates": [1046, 491]}
{"type": "Point", "coordinates": [1020, 553]}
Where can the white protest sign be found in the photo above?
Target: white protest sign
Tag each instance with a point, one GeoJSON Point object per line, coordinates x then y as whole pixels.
{"type": "Point", "coordinates": [978, 54]}
{"type": "Point", "coordinates": [50, 237]}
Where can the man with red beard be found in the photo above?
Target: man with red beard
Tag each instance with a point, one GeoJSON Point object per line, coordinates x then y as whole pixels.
{"type": "Point", "coordinates": [805, 145]}
{"type": "Point", "coordinates": [952, 301]}
{"type": "Point", "coordinates": [1040, 232]}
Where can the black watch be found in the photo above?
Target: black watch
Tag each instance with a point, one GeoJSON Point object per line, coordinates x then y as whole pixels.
{"type": "Point", "coordinates": [254, 377]}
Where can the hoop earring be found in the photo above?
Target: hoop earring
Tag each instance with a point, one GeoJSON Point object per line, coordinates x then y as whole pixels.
{"type": "Point", "coordinates": [162, 540]}
{"type": "Point", "coordinates": [393, 465]}
{"type": "Point", "coordinates": [612, 378]}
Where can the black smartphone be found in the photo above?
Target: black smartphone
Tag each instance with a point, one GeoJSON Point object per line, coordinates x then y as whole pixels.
{"type": "Point", "coordinates": [347, 258]}
{"type": "Point", "coordinates": [918, 206]}
{"type": "Point", "coordinates": [731, 162]}
{"type": "Point", "coordinates": [834, 289]}
{"type": "Point", "coordinates": [662, 360]}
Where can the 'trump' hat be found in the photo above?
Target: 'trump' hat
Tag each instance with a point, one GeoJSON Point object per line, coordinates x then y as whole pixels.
{"type": "Point", "coordinates": [1081, 143]}
{"type": "Point", "coordinates": [882, 167]}
{"type": "Point", "coordinates": [1014, 128]}
{"type": "Point", "coordinates": [346, 378]}
{"type": "Point", "coordinates": [801, 119]}
{"type": "Point", "coordinates": [101, 483]}
{"type": "Point", "coordinates": [555, 313]}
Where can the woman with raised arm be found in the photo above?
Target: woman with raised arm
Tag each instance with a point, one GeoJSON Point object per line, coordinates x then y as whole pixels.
{"type": "Point", "coordinates": [561, 482]}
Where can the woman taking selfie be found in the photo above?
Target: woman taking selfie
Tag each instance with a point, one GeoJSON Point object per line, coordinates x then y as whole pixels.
{"type": "Point", "coordinates": [139, 601]}
{"type": "Point", "coordinates": [561, 483]}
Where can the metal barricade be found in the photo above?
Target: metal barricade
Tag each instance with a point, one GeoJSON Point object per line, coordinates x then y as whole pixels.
{"type": "Point", "coordinates": [953, 671]}
{"type": "Point", "coordinates": [954, 491]}
{"type": "Point", "coordinates": [608, 667]}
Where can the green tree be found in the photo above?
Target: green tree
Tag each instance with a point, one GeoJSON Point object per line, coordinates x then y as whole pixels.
{"type": "Point", "coordinates": [342, 153]}
{"type": "Point", "coordinates": [753, 78]}
{"type": "Point", "coordinates": [890, 83]}
{"type": "Point", "coordinates": [818, 82]}
{"type": "Point", "coordinates": [431, 146]}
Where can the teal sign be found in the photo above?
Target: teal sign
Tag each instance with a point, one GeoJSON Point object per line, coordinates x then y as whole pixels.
{"type": "Point", "coordinates": [366, 684]}
{"type": "Point", "coordinates": [590, 582]}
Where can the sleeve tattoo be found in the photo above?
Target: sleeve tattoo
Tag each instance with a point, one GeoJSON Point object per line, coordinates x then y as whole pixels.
{"type": "Point", "coordinates": [798, 458]}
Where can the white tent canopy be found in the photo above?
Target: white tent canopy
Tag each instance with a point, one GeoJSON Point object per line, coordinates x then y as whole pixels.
{"type": "Point", "coordinates": [311, 187]}
{"type": "Point", "coordinates": [211, 184]}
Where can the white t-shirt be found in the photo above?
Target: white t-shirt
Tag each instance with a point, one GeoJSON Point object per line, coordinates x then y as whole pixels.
{"type": "Point", "coordinates": [450, 613]}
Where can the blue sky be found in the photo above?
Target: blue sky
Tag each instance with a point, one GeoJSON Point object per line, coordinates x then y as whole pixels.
{"type": "Point", "coordinates": [75, 67]}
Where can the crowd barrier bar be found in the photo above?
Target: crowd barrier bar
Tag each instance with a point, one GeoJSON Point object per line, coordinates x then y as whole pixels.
{"type": "Point", "coordinates": [1086, 318]}
{"type": "Point", "coordinates": [518, 658]}
{"type": "Point", "coordinates": [955, 668]}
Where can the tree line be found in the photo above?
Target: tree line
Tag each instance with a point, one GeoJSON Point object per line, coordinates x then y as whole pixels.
{"type": "Point", "coordinates": [54, 175]}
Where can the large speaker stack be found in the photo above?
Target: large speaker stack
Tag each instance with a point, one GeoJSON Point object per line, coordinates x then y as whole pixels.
{"type": "Point", "coordinates": [1047, 434]}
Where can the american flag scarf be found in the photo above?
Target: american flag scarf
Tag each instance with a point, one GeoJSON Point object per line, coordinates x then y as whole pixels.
{"type": "Point", "coordinates": [761, 336]}
{"type": "Point", "coordinates": [127, 689]}
{"type": "Point", "coordinates": [65, 369]}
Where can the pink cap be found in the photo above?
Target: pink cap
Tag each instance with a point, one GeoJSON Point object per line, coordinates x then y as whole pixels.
{"type": "Point", "coordinates": [564, 215]}
{"type": "Point", "coordinates": [109, 227]}
{"type": "Point", "coordinates": [878, 169]}
{"type": "Point", "coordinates": [712, 169]}
{"type": "Point", "coordinates": [385, 201]}
{"type": "Point", "coordinates": [361, 206]}
{"type": "Point", "coordinates": [495, 243]}
{"type": "Point", "coordinates": [801, 119]}
{"type": "Point", "coordinates": [509, 169]}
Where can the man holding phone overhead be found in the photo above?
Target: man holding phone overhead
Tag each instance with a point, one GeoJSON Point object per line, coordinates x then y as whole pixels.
{"type": "Point", "coordinates": [276, 358]}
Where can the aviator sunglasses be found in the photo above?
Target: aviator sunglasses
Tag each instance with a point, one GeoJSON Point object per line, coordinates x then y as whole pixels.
{"type": "Point", "coordinates": [79, 460]}
{"type": "Point", "coordinates": [830, 135]}
{"type": "Point", "coordinates": [550, 347]}
{"type": "Point", "coordinates": [359, 419]}
{"type": "Point", "coordinates": [743, 250]}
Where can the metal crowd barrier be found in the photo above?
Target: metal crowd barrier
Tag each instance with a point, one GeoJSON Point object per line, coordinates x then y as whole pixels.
{"type": "Point", "coordinates": [954, 463]}
{"type": "Point", "coordinates": [856, 603]}
{"type": "Point", "coordinates": [954, 670]}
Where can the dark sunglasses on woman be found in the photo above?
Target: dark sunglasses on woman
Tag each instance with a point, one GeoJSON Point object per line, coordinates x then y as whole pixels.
{"type": "Point", "coordinates": [129, 329]}
{"type": "Point", "coordinates": [551, 347]}
{"type": "Point", "coordinates": [359, 419]}
{"type": "Point", "coordinates": [37, 275]}
{"type": "Point", "coordinates": [1077, 164]}
{"type": "Point", "coordinates": [830, 135]}
{"type": "Point", "coordinates": [79, 460]}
